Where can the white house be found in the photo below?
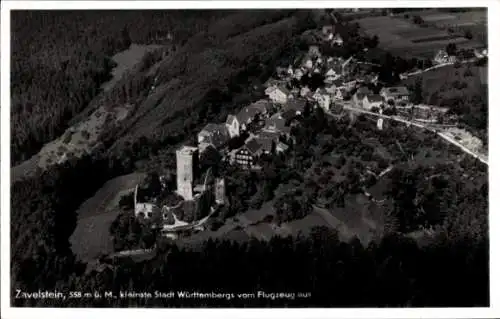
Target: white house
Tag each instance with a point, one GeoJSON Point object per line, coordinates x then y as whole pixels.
{"type": "Point", "coordinates": [323, 98]}
{"type": "Point", "coordinates": [278, 94]}
{"type": "Point", "coordinates": [308, 64]}
{"type": "Point", "coordinates": [396, 94]}
{"type": "Point", "coordinates": [233, 126]}
{"type": "Point", "coordinates": [304, 91]}
{"type": "Point", "coordinates": [443, 57]}
{"type": "Point", "coordinates": [372, 100]}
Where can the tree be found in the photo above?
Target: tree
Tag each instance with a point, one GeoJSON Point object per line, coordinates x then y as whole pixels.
{"type": "Point", "coordinates": [417, 92]}
{"type": "Point", "coordinates": [451, 49]}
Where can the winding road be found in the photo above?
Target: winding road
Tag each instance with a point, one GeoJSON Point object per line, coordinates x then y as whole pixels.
{"type": "Point", "coordinates": [480, 157]}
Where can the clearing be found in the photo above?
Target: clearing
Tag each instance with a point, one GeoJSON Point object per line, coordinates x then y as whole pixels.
{"type": "Point", "coordinates": [91, 237]}
{"type": "Point", "coordinates": [402, 37]}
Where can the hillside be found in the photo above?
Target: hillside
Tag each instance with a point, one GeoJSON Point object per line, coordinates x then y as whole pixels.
{"type": "Point", "coordinates": [202, 81]}
{"type": "Point", "coordinates": [60, 59]}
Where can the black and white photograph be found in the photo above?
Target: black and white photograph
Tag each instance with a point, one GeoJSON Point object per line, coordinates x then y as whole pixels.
{"type": "Point", "coordinates": [253, 157]}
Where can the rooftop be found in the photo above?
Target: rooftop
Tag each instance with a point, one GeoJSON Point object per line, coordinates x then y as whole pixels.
{"type": "Point", "coordinates": [187, 150]}
{"type": "Point", "coordinates": [396, 90]}
{"type": "Point", "coordinates": [374, 98]}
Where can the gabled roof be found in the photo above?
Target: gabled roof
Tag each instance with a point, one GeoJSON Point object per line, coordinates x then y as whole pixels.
{"type": "Point", "coordinates": [282, 145]}
{"type": "Point", "coordinates": [266, 144]}
{"type": "Point", "coordinates": [218, 133]}
{"type": "Point", "coordinates": [270, 134]}
{"type": "Point", "coordinates": [289, 114]}
{"type": "Point", "coordinates": [321, 91]}
{"type": "Point", "coordinates": [253, 145]}
{"type": "Point", "coordinates": [247, 114]}
{"type": "Point", "coordinates": [364, 90]}
{"type": "Point", "coordinates": [282, 88]}
{"type": "Point", "coordinates": [373, 98]}
{"type": "Point", "coordinates": [211, 128]}
{"type": "Point", "coordinates": [276, 123]}
{"type": "Point", "coordinates": [396, 90]}
{"type": "Point", "coordinates": [296, 105]}
{"type": "Point", "coordinates": [262, 105]}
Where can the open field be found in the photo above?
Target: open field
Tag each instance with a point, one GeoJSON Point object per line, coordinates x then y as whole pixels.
{"type": "Point", "coordinates": [126, 60]}
{"type": "Point", "coordinates": [457, 18]}
{"type": "Point", "coordinates": [91, 236]}
{"type": "Point", "coordinates": [402, 37]}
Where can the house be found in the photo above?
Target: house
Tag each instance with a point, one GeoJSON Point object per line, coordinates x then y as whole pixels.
{"type": "Point", "coordinates": [331, 72]}
{"type": "Point", "coordinates": [308, 64]}
{"type": "Point", "coordinates": [246, 116]}
{"type": "Point", "coordinates": [266, 143]}
{"type": "Point", "coordinates": [372, 100]}
{"type": "Point", "coordinates": [340, 93]}
{"type": "Point", "coordinates": [278, 94]}
{"type": "Point", "coordinates": [281, 147]}
{"type": "Point", "coordinates": [298, 73]}
{"type": "Point", "coordinates": [248, 154]}
{"type": "Point", "coordinates": [304, 91]}
{"type": "Point", "coordinates": [357, 99]}
{"type": "Point", "coordinates": [331, 89]}
{"type": "Point", "coordinates": [443, 57]}
{"type": "Point", "coordinates": [233, 126]}
{"type": "Point", "coordinates": [276, 124]}
{"type": "Point", "coordinates": [323, 98]}
{"type": "Point", "coordinates": [396, 94]}
{"type": "Point", "coordinates": [263, 107]}
{"type": "Point", "coordinates": [327, 29]}
{"type": "Point", "coordinates": [296, 105]}
{"type": "Point", "coordinates": [146, 210]}
{"type": "Point", "coordinates": [213, 134]}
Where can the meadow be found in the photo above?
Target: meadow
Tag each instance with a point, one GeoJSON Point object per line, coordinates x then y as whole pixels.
{"type": "Point", "coordinates": [400, 36]}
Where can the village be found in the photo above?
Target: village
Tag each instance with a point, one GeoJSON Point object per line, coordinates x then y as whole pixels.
{"type": "Point", "coordinates": [330, 83]}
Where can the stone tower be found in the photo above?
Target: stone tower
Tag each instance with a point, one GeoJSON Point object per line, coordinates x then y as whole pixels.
{"type": "Point", "coordinates": [187, 162]}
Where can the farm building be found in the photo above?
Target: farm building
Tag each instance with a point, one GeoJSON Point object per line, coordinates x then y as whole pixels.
{"type": "Point", "coordinates": [396, 94]}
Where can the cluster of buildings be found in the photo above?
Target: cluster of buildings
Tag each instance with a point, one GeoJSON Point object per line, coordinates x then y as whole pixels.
{"type": "Point", "coordinates": [191, 200]}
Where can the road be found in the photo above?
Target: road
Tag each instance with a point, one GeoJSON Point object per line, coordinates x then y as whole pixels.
{"type": "Point", "coordinates": [437, 67]}
{"type": "Point", "coordinates": [480, 157]}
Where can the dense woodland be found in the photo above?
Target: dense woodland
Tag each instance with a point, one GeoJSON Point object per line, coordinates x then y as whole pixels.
{"type": "Point", "coordinates": [61, 58]}
{"type": "Point", "coordinates": [394, 271]}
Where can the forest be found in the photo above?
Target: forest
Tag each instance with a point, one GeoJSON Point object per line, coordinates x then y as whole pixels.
{"type": "Point", "coordinates": [60, 59]}
{"type": "Point", "coordinates": [394, 271]}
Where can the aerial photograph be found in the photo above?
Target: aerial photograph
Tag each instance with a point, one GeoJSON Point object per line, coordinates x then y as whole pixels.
{"type": "Point", "coordinates": [249, 158]}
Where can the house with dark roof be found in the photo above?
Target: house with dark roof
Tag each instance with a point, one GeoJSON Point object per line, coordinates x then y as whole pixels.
{"type": "Point", "coordinates": [297, 105]}
{"type": "Point", "coordinates": [247, 155]}
{"type": "Point", "coordinates": [396, 94]}
{"type": "Point", "coordinates": [278, 94]}
{"type": "Point", "coordinates": [372, 100]}
{"type": "Point", "coordinates": [263, 107]}
{"type": "Point", "coordinates": [358, 97]}
{"type": "Point", "coordinates": [277, 123]}
{"type": "Point", "coordinates": [213, 134]}
{"type": "Point", "coordinates": [246, 116]}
